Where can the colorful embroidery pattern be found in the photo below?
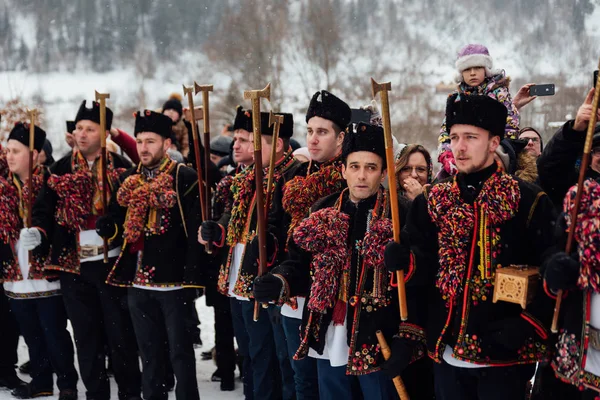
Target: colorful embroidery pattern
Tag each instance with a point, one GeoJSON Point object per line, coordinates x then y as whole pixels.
{"type": "Point", "coordinates": [362, 361]}
{"type": "Point", "coordinates": [497, 201]}
{"type": "Point", "coordinates": [242, 189]}
{"type": "Point", "coordinates": [300, 193]}
{"type": "Point", "coordinates": [79, 192]}
{"type": "Point", "coordinates": [587, 232]}
{"type": "Point", "coordinates": [566, 360]}
{"type": "Point", "coordinates": [147, 202]}
{"type": "Point", "coordinates": [329, 254]}
{"type": "Point", "coordinates": [9, 216]}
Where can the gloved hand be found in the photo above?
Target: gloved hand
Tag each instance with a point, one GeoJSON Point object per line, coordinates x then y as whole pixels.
{"type": "Point", "coordinates": [271, 247]}
{"type": "Point", "coordinates": [561, 272]}
{"type": "Point", "coordinates": [267, 288]}
{"type": "Point", "coordinates": [210, 231]}
{"type": "Point", "coordinates": [402, 352]}
{"type": "Point", "coordinates": [30, 238]}
{"type": "Point", "coordinates": [375, 115]}
{"type": "Point", "coordinates": [397, 257]}
{"type": "Point", "coordinates": [510, 333]}
{"type": "Point", "coordinates": [105, 226]}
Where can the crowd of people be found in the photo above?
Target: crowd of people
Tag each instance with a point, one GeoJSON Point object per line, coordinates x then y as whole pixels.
{"type": "Point", "coordinates": [123, 255]}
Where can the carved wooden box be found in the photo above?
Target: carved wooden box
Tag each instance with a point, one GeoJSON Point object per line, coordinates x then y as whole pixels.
{"type": "Point", "coordinates": [516, 284]}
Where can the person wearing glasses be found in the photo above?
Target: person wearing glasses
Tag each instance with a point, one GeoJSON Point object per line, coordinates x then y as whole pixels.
{"type": "Point", "coordinates": [414, 170]}
{"type": "Point", "coordinates": [558, 166]}
{"type": "Point", "coordinates": [535, 144]}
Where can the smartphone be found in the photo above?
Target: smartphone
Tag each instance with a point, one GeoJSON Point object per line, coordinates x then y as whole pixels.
{"type": "Point", "coordinates": [595, 77]}
{"type": "Point", "coordinates": [360, 115]}
{"type": "Point", "coordinates": [70, 126]}
{"type": "Point", "coordinates": [542, 90]}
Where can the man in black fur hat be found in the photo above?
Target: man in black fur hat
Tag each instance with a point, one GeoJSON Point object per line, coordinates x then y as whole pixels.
{"type": "Point", "coordinates": [263, 342]}
{"type": "Point", "coordinates": [64, 216]}
{"type": "Point", "coordinates": [461, 232]}
{"type": "Point", "coordinates": [350, 295]}
{"type": "Point", "coordinates": [156, 212]}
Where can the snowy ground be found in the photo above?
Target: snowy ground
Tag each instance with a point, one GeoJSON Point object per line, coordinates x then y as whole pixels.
{"type": "Point", "coordinates": [208, 389]}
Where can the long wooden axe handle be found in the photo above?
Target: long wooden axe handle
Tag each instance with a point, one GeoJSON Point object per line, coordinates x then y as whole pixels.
{"type": "Point", "coordinates": [275, 121]}
{"type": "Point", "coordinates": [207, 214]}
{"type": "Point", "coordinates": [585, 162]}
{"type": "Point", "coordinates": [383, 88]}
{"type": "Point", "coordinates": [387, 353]}
{"type": "Point", "coordinates": [101, 99]}
{"type": "Point", "coordinates": [32, 115]}
{"type": "Point", "coordinates": [255, 96]}
{"type": "Point", "coordinates": [189, 92]}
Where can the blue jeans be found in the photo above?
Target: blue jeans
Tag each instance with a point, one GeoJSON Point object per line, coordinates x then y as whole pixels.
{"type": "Point", "coordinates": [305, 370]}
{"type": "Point", "coordinates": [243, 342]}
{"type": "Point", "coordinates": [272, 374]}
{"type": "Point", "coordinates": [334, 384]}
{"type": "Point", "coordinates": [43, 323]}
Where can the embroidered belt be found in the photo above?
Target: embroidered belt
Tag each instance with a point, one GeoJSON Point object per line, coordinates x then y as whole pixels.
{"type": "Point", "coordinates": [595, 338]}
{"type": "Point", "coordinates": [89, 250]}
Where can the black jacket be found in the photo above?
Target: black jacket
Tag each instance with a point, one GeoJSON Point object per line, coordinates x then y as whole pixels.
{"type": "Point", "coordinates": [277, 227]}
{"type": "Point", "coordinates": [64, 242]}
{"type": "Point", "coordinates": [480, 331]}
{"type": "Point", "coordinates": [172, 258]}
{"type": "Point", "coordinates": [558, 165]}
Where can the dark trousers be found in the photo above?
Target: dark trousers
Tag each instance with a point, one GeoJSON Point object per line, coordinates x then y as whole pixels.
{"type": "Point", "coordinates": [99, 314]}
{"type": "Point", "coordinates": [243, 342]}
{"type": "Point", "coordinates": [334, 384]}
{"type": "Point", "coordinates": [272, 374]}
{"type": "Point", "coordinates": [224, 348]}
{"type": "Point", "coordinates": [305, 370]}
{"type": "Point", "coordinates": [9, 339]}
{"type": "Point", "coordinates": [489, 383]}
{"type": "Point", "coordinates": [548, 387]}
{"type": "Point", "coordinates": [152, 311]}
{"type": "Point", "coordinates": [192, 321]}
{"type": "Point", "coordinates": [43, 324]}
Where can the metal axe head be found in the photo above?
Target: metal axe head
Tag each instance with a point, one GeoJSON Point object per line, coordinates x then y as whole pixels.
{"type": "Point", "coordinates": [202, 88]}
{"type": "Point", "coordinates": [101, 96]}
{"type": "Point", "coordinates": [379, 87]}
{"type": "Point", "coordinates": [257, 94]}
{"type": "Point", "coordinates": [275, 119]}
{"type": "Point", "coordinates": [188, 90]}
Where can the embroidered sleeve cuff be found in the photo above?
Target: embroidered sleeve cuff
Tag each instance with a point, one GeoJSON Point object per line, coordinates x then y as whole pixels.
{"type": "Point", "coordinates": [41, 230]}
{"type": "Point", "coordinates": [539, 327]}
{"type": "Point", "coordinates": [221, 242]}
{"type": "Point", "coordinates": [411, 268]}
{"type": "Point", "coordinates": [411, 332]}
{"type": "Point", "coordinates": [273, 258]}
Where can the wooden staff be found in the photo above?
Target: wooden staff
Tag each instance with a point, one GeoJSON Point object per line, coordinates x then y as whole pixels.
{"type": "Point", "coordinates": [585, 162]}
{"type": "Point", "coordinates": [261, 221]}
{"type": "Point", "coordinates": [275, 121]}
{"type": "Point", "coordinates": [101, 98]}
{"type": "Point", "coordinates": [206, 212]}
{"type": "Point", "coordinates": [391, 167]}
{"type": "Point", "coordinates": [189, 91]}
{"type": "Point", "coordinates": [387, 353]}
{"type": "Point", "coordinates": [32, 114]}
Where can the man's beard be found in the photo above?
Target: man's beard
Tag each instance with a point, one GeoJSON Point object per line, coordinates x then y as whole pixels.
{"type": "Point", "coordinates": [156, 159]}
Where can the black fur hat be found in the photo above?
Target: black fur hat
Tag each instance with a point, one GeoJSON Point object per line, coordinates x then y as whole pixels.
{"type": "Point", "coordinates": [93, 114]}
{"type": "Point", "coordinates": [21, 133]}
{"type": "Point", "coordinates": [150, 121]}
{"type": "Point", "coordinates": [364, 137]}
{"type": "Point", "coordinates": [477, 110]}
{"type": "Point", "coordinates": [325, 105]}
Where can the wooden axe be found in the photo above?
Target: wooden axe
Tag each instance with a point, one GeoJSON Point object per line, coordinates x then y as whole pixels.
{"type": "Point", "coordinates": [261, 218]}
